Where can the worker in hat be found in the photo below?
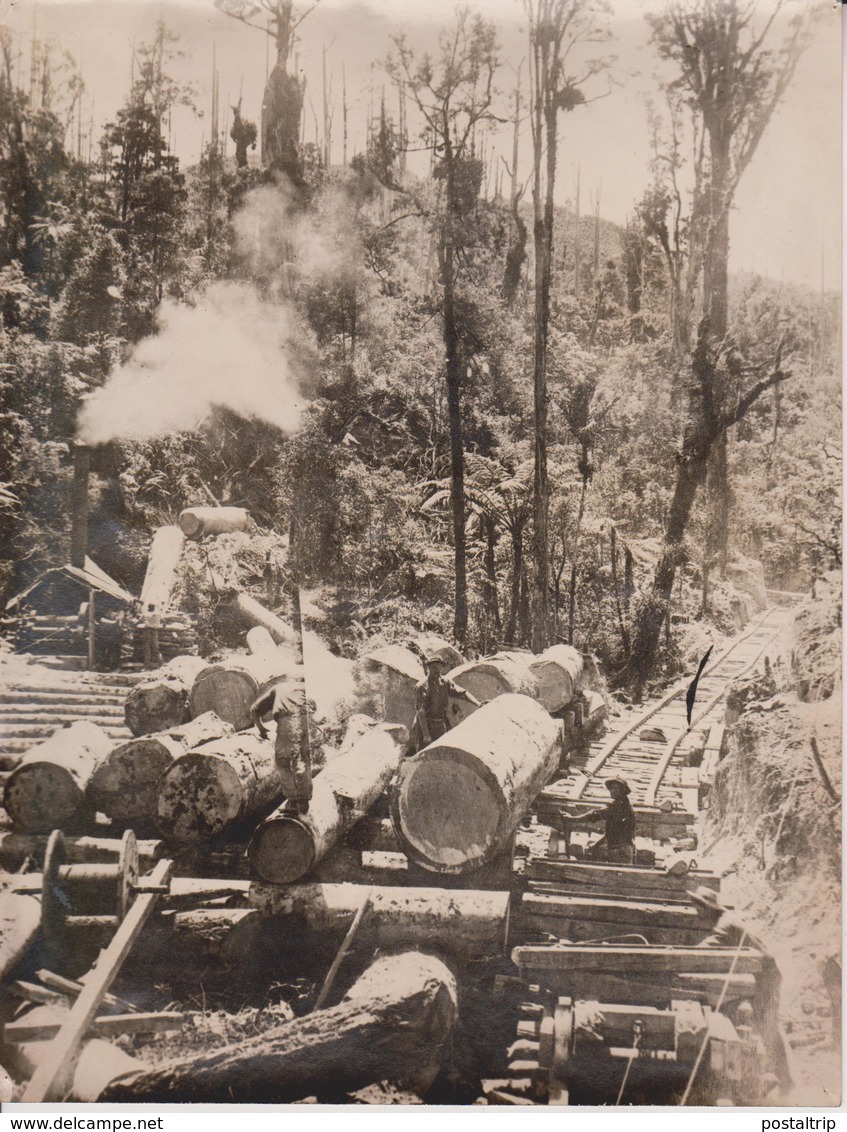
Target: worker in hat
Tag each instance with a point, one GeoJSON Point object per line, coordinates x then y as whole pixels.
{"type": "Point", "coordinates": [432, 704]}
{"type": "Point", "coordinates": [726, 930]}
{"type": "Point", "coordinates": [616, 844]}
{"type": "Point", "coordinates": [285, 703]}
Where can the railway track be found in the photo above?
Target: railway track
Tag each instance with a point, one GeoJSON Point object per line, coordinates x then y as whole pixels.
{"type": "Point", "coordinates": [656, 752]}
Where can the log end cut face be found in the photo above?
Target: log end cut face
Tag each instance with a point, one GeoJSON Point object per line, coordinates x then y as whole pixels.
{"type": "Point", "coordinates": [450, 813]}
{"type": "Point", "coordinates": [41, 797]}
{"type": "Point", "coordinates": [125, 787]}
{"type": "Point", "coordinates": [227, 692]}
{"type": "Point", "coordinates": [199, 797]}
{"type": "Point", "coordinates": [155, 708]}
{"type": "Point", "coordinates": [282, 850]}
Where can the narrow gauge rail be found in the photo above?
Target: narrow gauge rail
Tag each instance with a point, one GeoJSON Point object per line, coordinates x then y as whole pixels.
{"type": "Point", "coordinates": [650, 752]}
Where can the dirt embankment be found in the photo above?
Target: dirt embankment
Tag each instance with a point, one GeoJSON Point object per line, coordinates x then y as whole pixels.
{"type": "Point", "coordinates": [775, 823]}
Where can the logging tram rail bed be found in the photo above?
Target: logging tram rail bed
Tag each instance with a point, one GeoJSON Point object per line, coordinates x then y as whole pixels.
{"type": "Point", "coordinates": [665, 763]}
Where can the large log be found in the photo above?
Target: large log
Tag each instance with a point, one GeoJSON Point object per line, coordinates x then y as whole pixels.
{"type": "Point", "coordinates": [20, 920]}
{"type": "Point", "coordinates": [216, 787]}
{"type": "Point", "coordinates": [458, 801]}
{"type": "Point", "coordinates": [161, 701]}
{"type": "Point", "coordinates": [255, 614]}
{"type": "Point", "coordinates": [395, 1024]}
{"type": "Point", "coordinates": [464, 923]}
{"type": "Point", "coordinates": [165, 552]}
{"type": "Point", "coordinates": [229, 688]}
{"type": "Point", "coordinates": [195, 522]}
{"type": "Point", "coordinates": [490, 677]}
{"type": "Point", "coordinates": [47, 788]}
{"type": "Point", "coordinates": [557, 671]}
{"type": "Point", "coordinates": [385, 683]}
{"type": "Point", "coordinates": [288, 845]}
{"type": "Point", "coordinates": [125, 787]}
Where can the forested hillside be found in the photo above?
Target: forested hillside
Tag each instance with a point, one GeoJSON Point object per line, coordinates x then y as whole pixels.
{"type": "Point", "coordinates": [448, 402]}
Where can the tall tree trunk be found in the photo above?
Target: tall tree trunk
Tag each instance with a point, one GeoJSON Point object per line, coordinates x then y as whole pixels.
{"type": "Point", "coordinates": [613, 555]}
{"type": "Point", "coordinates": [585, 471]}
{"type": "Point", "coordinates": [457, 453]}
{"type": "Point", "coordinates": [543, 235]}
{"type": "Point", "coordinates": [517, 575]}
{"type": "Point", "coordinates": [716, 288]}
{"type": "Point", "coordinates": [491, 598]}
{"type": "Point", "coordinates": [282, 104]}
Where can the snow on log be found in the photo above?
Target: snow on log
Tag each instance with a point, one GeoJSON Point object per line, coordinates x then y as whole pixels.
{"type": "Point", "coordinates": [165, 551]}
{"type": "Point", "coordinates": [47, 787]}
{"type": "Point", "coordinates": [385, 680]}
{"type": "Point", "coordinates": [457, 801]}
{"type": "Point", "coordinates": [198, 521]}
{"type": "Point", "coordinates": [20, 921]}
{"type": "Point", "coordinates": [125, 787]}
{"type": "Point", "coordinates": [395, 1024]}
{"type": "Point", "coordinates": [557, 671]}
{"type": "Point", "coordinates": [161, 701]}
{"type": "Point", "coordinates": [490, 677]}
{"type": "Point", "coordinates": [288, 845]}
{"type": "Point", "coordinates": [218, 786]}
{"type": "Point", "coordinates": [255, 614]}
{"type": "Point", "coordinates": [230, 687]}
{"type": "Point", "coordinates": [462, 923]}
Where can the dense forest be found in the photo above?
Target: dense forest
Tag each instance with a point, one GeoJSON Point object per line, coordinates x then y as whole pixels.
{"type": "Point", "coordinates": [447, 400]}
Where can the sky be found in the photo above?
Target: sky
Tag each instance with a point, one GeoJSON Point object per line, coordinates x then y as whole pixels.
{"type": "Point", "coordinates": [786, 223]}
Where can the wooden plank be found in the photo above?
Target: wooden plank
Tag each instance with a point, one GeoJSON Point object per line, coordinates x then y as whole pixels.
{"type": "Point", "coordinates": [71, 988]}
{"type": "Point", "coordinates": [594, 986]}
{"type": "Point", "coordinates": [637, 960]}
{"type": "Point", "coordinates": [31, 992]}
{"type": "Point", "coordinates": [50, 1079]}
{"type": "Point", "coordinates": [662, 896]}
{"type": "Point", "coordinates": [600, 931]}
{"type": "Point", "coordinates": [654, 913]}
{"type": "Point", "coordinates": [620, 878]}
{"type": "Point", "coordinates": [110, 1025]}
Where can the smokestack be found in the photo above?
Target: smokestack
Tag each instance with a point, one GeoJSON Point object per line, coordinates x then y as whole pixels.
{"type": "Point", "coordinates": [79, 505]}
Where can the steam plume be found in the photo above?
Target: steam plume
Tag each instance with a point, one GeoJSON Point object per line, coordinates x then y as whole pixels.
{"type": "Point", "coordinates": [229, 349]}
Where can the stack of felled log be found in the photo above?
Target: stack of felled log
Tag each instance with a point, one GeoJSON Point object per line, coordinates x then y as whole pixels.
{"type": "Point", "coordinates": [557, 678]}
{"type": "Point", "coordinates": [188, 769]}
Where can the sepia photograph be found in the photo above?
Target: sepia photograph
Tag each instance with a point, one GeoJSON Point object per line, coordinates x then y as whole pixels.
{"type": "Point", "coordinates": [420, 553]}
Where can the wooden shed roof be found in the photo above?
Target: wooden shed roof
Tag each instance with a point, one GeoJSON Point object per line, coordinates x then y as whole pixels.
{"type": "Point", "coordinates": [91, 577]}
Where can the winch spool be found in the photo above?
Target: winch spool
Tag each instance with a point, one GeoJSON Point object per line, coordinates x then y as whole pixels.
{"type": "Point", "coordinates": [108, 886]}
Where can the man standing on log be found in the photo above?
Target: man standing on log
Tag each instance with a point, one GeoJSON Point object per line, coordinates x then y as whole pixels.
{"type": "Point", "coordinates": [432, 703]}
{"type": "Point", "coordinates": [728, 931]}
{"type": "Point", "coordinates": [285, 703]}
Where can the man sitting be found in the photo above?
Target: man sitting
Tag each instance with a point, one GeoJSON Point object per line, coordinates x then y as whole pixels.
{"type": "Point", "coordinates": [616, 845]}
